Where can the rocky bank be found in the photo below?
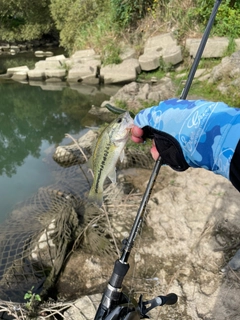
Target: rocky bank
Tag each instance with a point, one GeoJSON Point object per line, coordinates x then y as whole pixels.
{"type": "Point", "coordinates": [85, 66]}
{"type": "Point", "coordinates": [191, 229]}
{"type": "Point", "coordinates": [193, 225]}
{"type": "Point", "coordinates": [190, 235]}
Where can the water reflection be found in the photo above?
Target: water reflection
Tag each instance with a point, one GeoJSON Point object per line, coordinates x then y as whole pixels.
{"type": "Point", "coordinates": [31, 120]}
{"type": "Point", "coordinates": [29, 115]}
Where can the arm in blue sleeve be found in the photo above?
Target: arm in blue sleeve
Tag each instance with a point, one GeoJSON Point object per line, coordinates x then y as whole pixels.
{"type": "Point", "coordinates": [207, 132]}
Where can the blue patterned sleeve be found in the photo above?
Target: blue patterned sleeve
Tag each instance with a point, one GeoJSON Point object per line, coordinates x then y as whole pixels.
{"type": "Point", "coordinates": [208, 132]}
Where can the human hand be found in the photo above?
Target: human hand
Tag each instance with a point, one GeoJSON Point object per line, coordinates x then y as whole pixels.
{"type": "Point", "coordinates": [191, 133]}
{"type": "Point", "coordinates": [137, 136]}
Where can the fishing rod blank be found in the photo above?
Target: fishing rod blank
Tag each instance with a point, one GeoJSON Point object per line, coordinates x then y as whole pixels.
{"type": "Point", "coordinates": [200, 50]}
{"type": "Point", "coordinates": [110, 307]}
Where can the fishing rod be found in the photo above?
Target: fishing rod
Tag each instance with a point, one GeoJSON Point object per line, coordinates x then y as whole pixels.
{"type": "Point", "coordinates": [115, 305]}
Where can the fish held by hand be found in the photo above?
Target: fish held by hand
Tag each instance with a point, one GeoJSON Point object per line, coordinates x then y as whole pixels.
{"type": "Point", "coordinates": [109, 148]}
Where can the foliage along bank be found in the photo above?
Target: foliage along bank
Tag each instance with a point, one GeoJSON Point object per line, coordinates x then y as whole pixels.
{"type": "Point", "coordinates": [100, 24]}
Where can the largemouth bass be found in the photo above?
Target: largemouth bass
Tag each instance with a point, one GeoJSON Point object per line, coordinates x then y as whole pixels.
{"type": "Point", "coordinates": [109, 148]}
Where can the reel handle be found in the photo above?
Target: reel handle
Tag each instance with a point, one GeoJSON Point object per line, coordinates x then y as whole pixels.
{"type": "Point", "coordinates": [169, 299]}
{"type": "Point", "coordinates": [146, 306]}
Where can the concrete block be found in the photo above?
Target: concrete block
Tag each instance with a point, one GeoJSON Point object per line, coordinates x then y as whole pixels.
{"type": "Point", "coordinates": [172, 55]}
{"type": "Point", "coordinates": [11, 71]}
{"type": "Point", "coordinates": [215, 47]}
{"type": "Point", "coordinates": [149, 62]}
{"type": "Point", "coordinates": [56, 73]}
{"type": "Point", "coordinates": [36, 74]}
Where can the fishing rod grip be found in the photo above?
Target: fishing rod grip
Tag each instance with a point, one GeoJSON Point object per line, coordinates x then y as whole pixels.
{"type": "Point", "coordinates": [119, 271]}
{"type": "Point", "coordinates": [113, 292]}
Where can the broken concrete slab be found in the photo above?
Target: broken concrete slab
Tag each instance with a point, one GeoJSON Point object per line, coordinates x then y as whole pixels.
{"type": "Point", "coordinates": [215, 47]}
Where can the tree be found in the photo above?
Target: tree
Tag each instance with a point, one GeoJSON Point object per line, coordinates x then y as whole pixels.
{"type": "Point", "coordinates": [74, 16]}
{"type": "Point", "coordinates": [25, 19]}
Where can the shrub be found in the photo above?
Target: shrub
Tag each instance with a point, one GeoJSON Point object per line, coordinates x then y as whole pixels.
{"type": "Point", "coordinates": [126, 13]}
{"type": "Point", "coordinates": [25, 19]}
{"type": "Point", "coordinates": [72, 17]}
{"type": "Point", "coordinates": [227, 22]}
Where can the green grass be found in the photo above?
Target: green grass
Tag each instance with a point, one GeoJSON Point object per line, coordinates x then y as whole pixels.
{"type": "Point", "coordinates": [147, 76]}
{"type": "Point", "coordinates": [209, 91]}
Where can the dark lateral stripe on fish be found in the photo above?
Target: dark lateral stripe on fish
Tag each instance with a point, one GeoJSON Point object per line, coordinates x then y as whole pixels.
{"type": "Point", "coordinates": [105, 154]}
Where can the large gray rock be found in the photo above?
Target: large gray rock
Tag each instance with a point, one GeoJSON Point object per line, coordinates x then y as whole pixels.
{"type": "Point", "coordinates": [124, 72]}
{"type": "Point", "coordinates": [20, 76]}
{"type": "Point", "coordinates": [172, 55]}
{"type": "Point", "coordinates": [67, 155]}
{"type": "Point", "coordinates": [133, 94]}
{"type": "Point", "coordinates": [150, 61]}
{"type": "Point", "coordinates": [36, 74]}
{"type": "Point", "coordinates": [164, 46]}
{"type": "Point", "coordinates": [80, 72]}
{"type": "Point", "coordinates": [84, 67]}
{"type": "Point", "coordinates": [215, 47]}
{"type": "Point", "coordinates": [228, 68]}
{"type": "Point", "coordinates": [47, 64]}
{"type": "Point", "coordinates": [11, 71]}
{"type": "Point", "coordinates": [227, 75]}
{"type": "Point", "coordinates": [47, 68]}
{"type": "Point", "coordinates": [160, 42]}
{"type": "Point", "coordinates": [56, 73]}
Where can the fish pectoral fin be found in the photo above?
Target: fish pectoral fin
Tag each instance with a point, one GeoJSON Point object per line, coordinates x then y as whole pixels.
{"type": "Point", "coordinates": [122, 155]}
{"type": "Point", "coordinates": [112, 175]}
{"type": "Point", "coordinates": [96, 198]}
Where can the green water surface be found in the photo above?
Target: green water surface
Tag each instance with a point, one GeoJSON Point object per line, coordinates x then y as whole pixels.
{"type": "Point", "coordinates": [33, 122]}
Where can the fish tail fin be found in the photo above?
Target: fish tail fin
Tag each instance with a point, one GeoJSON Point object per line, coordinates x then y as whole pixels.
{"type": "Point", "coordinates": [95, 197]}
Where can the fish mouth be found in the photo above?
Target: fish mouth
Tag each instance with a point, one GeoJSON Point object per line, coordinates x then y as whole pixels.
{"type": "Point", "coordinates": [123, 138]}
{"type": "Point", "coordinates": [128, 120]}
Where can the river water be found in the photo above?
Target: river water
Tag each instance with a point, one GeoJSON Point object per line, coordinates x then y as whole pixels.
{"type": "Point", "coordinates": [33, 121]}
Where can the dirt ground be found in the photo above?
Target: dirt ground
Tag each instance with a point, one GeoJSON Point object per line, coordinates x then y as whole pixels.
{"type": "Point", "coordinates": [191, 232]}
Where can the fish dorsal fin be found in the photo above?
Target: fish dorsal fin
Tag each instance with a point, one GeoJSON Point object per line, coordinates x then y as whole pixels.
{"type": "Point", "coordinates": [112, 175]}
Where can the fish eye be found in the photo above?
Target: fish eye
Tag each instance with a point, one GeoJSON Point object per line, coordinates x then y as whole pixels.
{"type": "Point", "coordinates": [119, 120]}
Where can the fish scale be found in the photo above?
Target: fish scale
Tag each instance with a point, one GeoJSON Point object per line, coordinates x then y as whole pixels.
{"type": "Point", "coordinates": [109, 148]}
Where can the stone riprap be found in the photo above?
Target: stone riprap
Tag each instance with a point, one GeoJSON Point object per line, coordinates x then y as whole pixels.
{"type": "Point", "coordinates": [85, 66]}
{"type": "Point", "coordinates": [163, 46]}
{"type": "Point", "coordinates": [216, 47]}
